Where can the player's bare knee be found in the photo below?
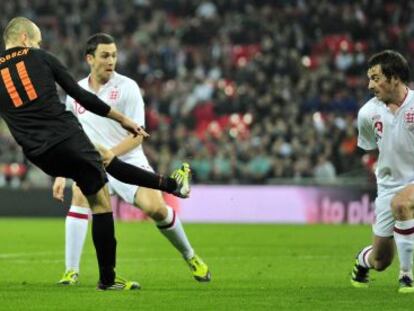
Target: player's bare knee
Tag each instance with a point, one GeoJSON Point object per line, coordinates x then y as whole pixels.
{"type": "Point", "coordinates": [382, 260]}
{"type": "Point", "coordinates": [155, 211]}
{"type": "Point", "coordinates": [151, 204]}
{"type": "Point", "coordinates": [159, 212]}
{"type": "Point", "coordinates": [401, 207]}
{"type": "Point", "coordinates": [100, 202]}
{"type": "Point", "coordinates": [78, 198]}
{"type": "Point", "coordinates": [382, 264]}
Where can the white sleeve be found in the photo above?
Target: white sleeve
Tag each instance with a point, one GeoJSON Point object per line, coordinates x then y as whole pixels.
{"type": "Point", "coordinates": [366, 133]}
{"type": "Point", "coordinates": [134, 104]}
{"type": "Point", "coordinates": [70, 104]}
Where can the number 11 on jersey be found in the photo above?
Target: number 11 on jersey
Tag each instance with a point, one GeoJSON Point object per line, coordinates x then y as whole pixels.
{"type": "Point", "coordinates": [24, 79]}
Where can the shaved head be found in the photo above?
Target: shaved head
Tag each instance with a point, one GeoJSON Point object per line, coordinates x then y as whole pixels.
{"type": "Point", "coordinates": [17, 26]}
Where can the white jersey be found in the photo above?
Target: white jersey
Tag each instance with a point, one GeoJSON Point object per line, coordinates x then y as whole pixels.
{"type": "Point", "coordinates": [123, 94]}
{"type": "Point", "coordinates": [393, 135]}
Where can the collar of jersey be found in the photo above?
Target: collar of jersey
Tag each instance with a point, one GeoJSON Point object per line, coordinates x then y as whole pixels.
{"type": "Point", "coordinates": [106, 85]}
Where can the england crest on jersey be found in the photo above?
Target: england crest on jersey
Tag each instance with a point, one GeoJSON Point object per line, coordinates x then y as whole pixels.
{"type": "Point", "coordinates": [409, 119]}
{"type": "Point", "coordinates": [378, 127]}
{"type": "Point", "coordinates": [113, 95]}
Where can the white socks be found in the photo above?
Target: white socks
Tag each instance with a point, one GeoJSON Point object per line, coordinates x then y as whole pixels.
{"type": "Point", "coordinates": [173, 230]}
{"type": "Point", "coordinates": [76, 230]}
{"type": "Point", "coordinates": [363, 257]}
{"type": "Point", "coordinates": [404, 239]}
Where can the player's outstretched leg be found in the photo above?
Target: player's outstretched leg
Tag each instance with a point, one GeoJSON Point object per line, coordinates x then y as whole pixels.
{"type": "Point", "coordinates": [177, 184]}
{"type": "Point", "coordinates": [182, 177]}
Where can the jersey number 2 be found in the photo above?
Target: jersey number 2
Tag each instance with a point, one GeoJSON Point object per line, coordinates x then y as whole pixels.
{"type": "Point", "coordinates": [25, 80]}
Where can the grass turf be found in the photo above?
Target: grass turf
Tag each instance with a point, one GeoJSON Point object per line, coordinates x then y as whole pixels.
{"type": "Point", "coordinates": [254, 267]}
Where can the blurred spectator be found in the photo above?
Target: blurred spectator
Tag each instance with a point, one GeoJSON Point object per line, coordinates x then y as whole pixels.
{"type": "Point", "coordinates": [202, 166]}
{"type": "Point", "coordinates": [324, 171]}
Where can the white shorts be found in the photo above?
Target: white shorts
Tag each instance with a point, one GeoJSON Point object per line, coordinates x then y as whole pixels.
{"type": "Point", "coordinates": [126, 191]}
{"type": "Point", "coordinates": [384, 220]}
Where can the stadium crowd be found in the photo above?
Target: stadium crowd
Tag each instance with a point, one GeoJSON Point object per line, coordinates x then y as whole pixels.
{"type": "Point", "coordinates": [247, 91]}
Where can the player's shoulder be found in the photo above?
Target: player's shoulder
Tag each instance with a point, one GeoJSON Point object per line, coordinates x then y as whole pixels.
{"type": "Point", "coordinates": [38, 53]}
{"type": "Point", "coordinates": [410, 95]}
{"type": "Point", "coordinates": [371, 106]}
{"type": "Point", "coordinates": [41, 53]}
{"type": "Point", "coordinates": [124, 81]}
{"type": "Point", "coordinates": [84, 82]}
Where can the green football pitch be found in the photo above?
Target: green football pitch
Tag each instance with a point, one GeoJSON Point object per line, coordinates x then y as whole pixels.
{"type": "Point", "coordinates": [254, 267]}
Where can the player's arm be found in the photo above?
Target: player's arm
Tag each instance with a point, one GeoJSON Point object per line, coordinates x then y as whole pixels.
{"type": "Point", "coordinates": [126, 123]}
{"type": "Point", "coordinates": [127, 144]}
{"type": "Point", "coordinates": [69, 102]}
{"type": "Point", "coordinates": [88, 100]}
{"type": "Point", "coordinates": [366, 133]}
{"type": "Point", "coordinates": [368, 149]}
{"type": "Point", "coordinates": [132, 105]}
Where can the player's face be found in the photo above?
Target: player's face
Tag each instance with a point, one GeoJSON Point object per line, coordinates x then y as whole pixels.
{"type": "Point", "coordinates": [379, 85]}
{"type": "Point", "coordinates": [103, 62]}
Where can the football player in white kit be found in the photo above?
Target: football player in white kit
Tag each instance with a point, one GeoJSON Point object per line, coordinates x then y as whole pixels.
{"type": "Point", "coordinates": [386, 124]}
{"type": "Point", "coordinates": [124, 94]}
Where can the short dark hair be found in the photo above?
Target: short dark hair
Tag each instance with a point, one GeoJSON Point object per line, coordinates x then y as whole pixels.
{"type": "Point", "coordinates": [96, 39]}
{"type": "Point", "coordinates": [392, 63]}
